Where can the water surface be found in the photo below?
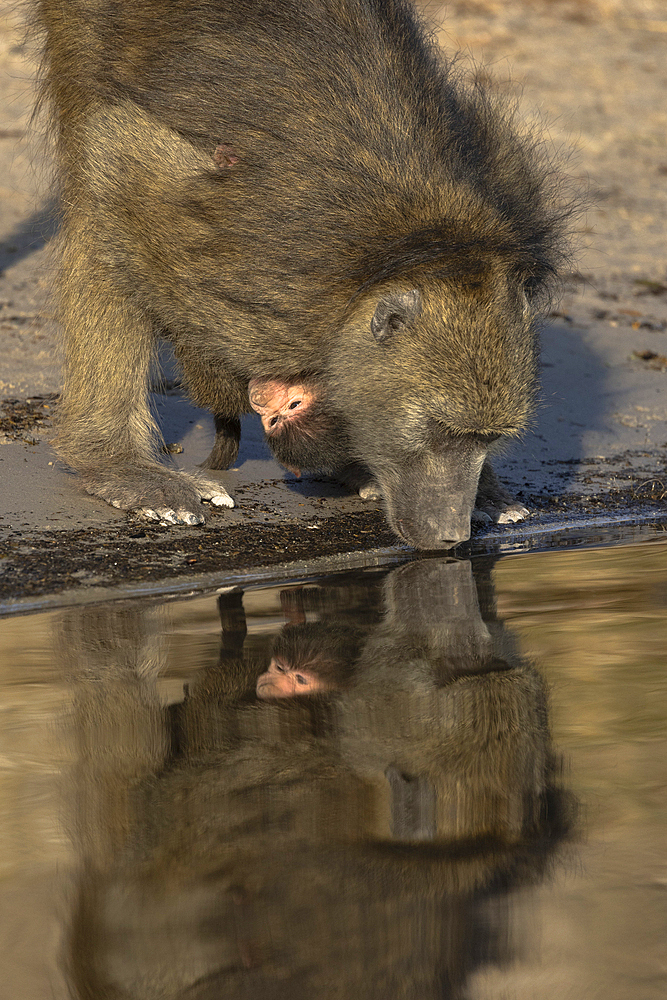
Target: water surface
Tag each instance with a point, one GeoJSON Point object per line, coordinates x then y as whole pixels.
{"type": "Point", "coordinates": [441, 779]}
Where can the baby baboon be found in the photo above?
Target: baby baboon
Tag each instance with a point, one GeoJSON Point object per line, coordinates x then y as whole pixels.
{"type": "Point", "coordinates": [310, 658]}
{"type": "Point", "coordinates": [300, 194]}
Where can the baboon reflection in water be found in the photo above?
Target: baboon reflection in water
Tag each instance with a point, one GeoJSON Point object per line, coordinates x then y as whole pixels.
{"type": "Point", "coordinates": [342, 844]}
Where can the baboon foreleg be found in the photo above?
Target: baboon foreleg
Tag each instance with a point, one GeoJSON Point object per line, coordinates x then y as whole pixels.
{"type": "Point", "coordinates": [105, 428]}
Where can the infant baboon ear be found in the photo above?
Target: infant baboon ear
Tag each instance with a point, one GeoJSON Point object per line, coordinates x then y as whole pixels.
{"type": "Point", "coordinates": [393, 312]}
{"type": "Point", "coordinates": [225, 156]}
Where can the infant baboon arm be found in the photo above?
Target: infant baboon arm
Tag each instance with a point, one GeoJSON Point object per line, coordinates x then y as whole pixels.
{"type": "Point", "coordinates": [494, 503]}
{"type": "Point", "coordinates": [105, 429]}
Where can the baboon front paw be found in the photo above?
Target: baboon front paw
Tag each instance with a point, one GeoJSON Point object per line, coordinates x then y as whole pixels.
{"type": "Point", "coordinates": [494, 502]}
{"type": "Point", "coordinates": [480, 517]}
{"type": "Point", "coordinates": [166, 516]}
{"type": "Point", "coordinates": [214, 493]}
{"type": "Point", "coordinates": [500, 513]}
{"type": "Point", "coordinates": [206, 491]}
{"type": "Point", "coordinates": [514, 512]}
{"type": "Point", "coordinates": [157, 494]}
{"type": "Point", "coordinates": [360, 479]}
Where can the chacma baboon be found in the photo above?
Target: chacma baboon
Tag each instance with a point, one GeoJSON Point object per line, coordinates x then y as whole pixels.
{"type": "Point", "coordinates": [301, 194]}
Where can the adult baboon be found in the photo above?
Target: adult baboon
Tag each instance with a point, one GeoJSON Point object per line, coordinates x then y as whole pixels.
{"type": "Point", "coordinates": [325, 221]}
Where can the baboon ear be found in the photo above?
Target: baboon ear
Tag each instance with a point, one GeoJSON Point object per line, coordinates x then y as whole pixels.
{"type": "Point", "coordinates": [393, 312]}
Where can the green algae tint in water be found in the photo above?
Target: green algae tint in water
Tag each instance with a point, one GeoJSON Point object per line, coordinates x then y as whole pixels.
{"type": "Point", "coordinates": [468, 803]}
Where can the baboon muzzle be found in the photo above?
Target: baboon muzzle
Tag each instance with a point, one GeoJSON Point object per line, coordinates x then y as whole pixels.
{"type": "Point", "coordinates": [431, 506]}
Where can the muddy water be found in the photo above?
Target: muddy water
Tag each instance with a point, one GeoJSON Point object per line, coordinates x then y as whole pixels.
{"type": "Point", "coordinates": [467, 802]}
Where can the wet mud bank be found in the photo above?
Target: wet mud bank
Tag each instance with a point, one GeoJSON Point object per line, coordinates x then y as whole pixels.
{"type": "Point", "coordinates": [65, 567]}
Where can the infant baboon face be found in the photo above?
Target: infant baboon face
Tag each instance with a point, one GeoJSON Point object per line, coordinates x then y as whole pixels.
{"type": "Point", "coordinates": [278, 402]}
{"type": "Point", "coordinates": [302, 429]}
{"type": "Point", "coordinates": [282, 680]}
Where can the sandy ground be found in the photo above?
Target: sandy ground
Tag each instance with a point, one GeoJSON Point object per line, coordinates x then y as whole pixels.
{"type": "Point", "coordinates": [594, 75]}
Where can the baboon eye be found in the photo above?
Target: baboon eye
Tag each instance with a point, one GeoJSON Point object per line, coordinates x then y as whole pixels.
{"type": "Point", "coordinates": [273, 421]}
{"type": "Point", "coordinates": [532, 283]}
{"type": "Point", "coordinates": [300, 679]}
{"type": "Point", "coordinates": [293, 405]}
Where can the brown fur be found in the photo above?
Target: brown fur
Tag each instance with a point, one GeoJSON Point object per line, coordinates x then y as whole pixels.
{"type": "Point", "coordinates": [325, 847]}
{"type": "Point", "coordinates": [259, 185]}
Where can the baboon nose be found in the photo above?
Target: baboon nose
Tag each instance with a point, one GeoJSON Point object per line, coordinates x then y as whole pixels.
{"type": "Point", "coordinates": [455, 535]}
{"type": "Point", "coordinates": [271, 423]}
{"type": "Point", "coordinates": [427, 538]}
{"type": "Point", "coordinates": [450, 543]}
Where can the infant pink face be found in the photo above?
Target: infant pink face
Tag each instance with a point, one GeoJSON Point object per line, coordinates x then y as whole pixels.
{"type": "Point", "coordinates": [283, 681]}
{"type": "Point", "coordinates": [278, 403]}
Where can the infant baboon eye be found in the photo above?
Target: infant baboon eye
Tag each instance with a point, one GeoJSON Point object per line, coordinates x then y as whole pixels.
{"type": "Point", "coordinates": [273, 421]}
{"type": "Point", "coordinates": [293, 405]}
{"type": "Point", "coordinates": [300, 679]}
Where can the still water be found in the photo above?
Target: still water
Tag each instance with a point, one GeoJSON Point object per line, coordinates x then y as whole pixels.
{"type": "Point", "coordinates": [439, 779]}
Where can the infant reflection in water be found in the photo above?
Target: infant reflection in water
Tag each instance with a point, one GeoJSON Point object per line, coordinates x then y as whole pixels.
{"type": "Point", "coordinates": [309, 659]}
{"type": "Point", "coordinates": [282, 680]}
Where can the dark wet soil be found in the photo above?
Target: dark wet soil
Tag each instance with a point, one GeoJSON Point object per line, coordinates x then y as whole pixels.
{"type": "Point", "coordinates": [60, 560]}
{"type": "Point", "coordinates": [23, 419]}
{"type": "Point", "coordinates": [32, 565]}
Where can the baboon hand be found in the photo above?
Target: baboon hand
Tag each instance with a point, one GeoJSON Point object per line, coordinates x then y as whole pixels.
{"type": "Point", "coordinates": [494, 504]}
{"type": "Point", "coordinates": [370, 490]}
{"type": "Point", "coordinates": [499, 512]}
{"type": "Point", "coordinates": [157, 493]}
